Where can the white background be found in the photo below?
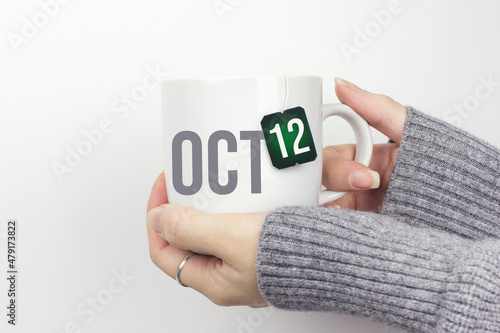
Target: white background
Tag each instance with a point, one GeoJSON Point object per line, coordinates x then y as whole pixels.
{"type": "Point", "coordinates": [78, 230]}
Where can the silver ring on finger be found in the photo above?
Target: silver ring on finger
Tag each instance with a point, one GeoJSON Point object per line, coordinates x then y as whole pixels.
{"type": "Point", "coordinates": [181, 265]}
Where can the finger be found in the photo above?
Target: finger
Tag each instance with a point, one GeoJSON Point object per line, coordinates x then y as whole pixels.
{"type": "Point", "coordinates": [341, 173]}
{"type": "Point", "coordinates": [197, 272]}
{"type": "Point", "coordinates": [157, 197]}
{"type": "Point", "coordinates": [166, 257]}
{"type": "Point", "coordinates": [207, 274]}
{"type": "Point", "coordinates": [194, 270]}
{"type": "Point", "coordinates": [171, 259]}
{"type": "Point", "coordinates": [226, 236]}
{"type": "Point", "coordinates": [380, 111]}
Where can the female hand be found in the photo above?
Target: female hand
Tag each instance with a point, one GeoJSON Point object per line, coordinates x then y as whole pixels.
{"type": "Point", "coordinates": [225, 272]}
{"type": "Point", "coordinates": [340, 173]}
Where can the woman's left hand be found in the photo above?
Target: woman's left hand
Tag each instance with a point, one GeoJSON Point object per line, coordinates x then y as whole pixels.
{"type": "Point", "coordinates": [225, 272]}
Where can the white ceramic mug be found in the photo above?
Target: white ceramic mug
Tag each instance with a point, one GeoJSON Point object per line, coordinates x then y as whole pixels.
{"type": "Point", "coordinates": [216, 154]}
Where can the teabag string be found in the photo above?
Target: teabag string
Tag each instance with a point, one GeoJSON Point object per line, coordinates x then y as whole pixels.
{"type": "Point", "coordinates": [286, 94]}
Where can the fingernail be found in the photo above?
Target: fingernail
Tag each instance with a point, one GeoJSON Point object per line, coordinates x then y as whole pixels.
{"type": "Point", "coordinates": [154, 218]}
{"type": "Point", "coordinates": [364, 179]}
{"type": "Point", "coordinates": [340, 81]}
{"type": "Point", "coordinates": [347, 84]}
{"type": "Point", "coordinates": [335, 207]}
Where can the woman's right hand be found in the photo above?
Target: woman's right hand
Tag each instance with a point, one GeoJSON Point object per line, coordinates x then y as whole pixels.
{"type": "Point", "coordinates": [341, 173]}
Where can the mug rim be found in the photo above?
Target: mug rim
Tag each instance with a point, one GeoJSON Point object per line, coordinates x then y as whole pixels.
{"type": "Point", "coordinates": [211, 79]}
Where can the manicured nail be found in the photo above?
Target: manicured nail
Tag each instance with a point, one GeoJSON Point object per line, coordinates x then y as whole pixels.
{"type": "Point", "coordinates": [347, 84]}
{"type": "Point", "coordinates": [154, 218]}
{"type": "Point", "coordinates": [364, 180]}
{"type": "Point", "coordinates": [340, 81]}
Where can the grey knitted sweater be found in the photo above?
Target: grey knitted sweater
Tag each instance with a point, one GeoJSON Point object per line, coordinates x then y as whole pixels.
{"type": "Point", "coordinates": [430, 262]}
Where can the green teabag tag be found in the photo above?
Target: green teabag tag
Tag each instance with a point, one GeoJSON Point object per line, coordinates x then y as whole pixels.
{"type": "Point", "coordinates": [288, 138]}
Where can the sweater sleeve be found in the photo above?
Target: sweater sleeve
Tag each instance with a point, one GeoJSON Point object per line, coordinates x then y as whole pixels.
{"type": "Point", "coordinates": [445, 178]}
{"type": "Point", "coordinates": [437, 272]}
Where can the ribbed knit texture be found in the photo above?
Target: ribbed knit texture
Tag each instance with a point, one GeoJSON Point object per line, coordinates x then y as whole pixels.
{"type": "Point", "coordinates": [445, 178]}
{"type": "Point", "coordinates": [433, 265]}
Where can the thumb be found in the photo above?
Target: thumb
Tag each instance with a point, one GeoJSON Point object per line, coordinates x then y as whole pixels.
{"type": "Point", "coordinates": [341, 173]}
{"type": "Point", "coordinates": [380, 111]}
{"type": "Point", "coordinates": [220, 235]}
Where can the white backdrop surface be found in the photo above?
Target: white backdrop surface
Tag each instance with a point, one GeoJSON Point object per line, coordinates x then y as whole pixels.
{"type": "Point", "coordinates": [80, 132]}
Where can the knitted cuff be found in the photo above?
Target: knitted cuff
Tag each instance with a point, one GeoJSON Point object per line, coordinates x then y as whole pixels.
{"type": "Point", "coordinates": [445, 178]}
{"type": "Point", "coordinates": [471, 302]}
{"type": "Point", "coordinates": [363, 264]}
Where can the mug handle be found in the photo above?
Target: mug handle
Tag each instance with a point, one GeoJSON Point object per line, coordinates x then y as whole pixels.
{"type": "Point", "coordinates": [364, 141]}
